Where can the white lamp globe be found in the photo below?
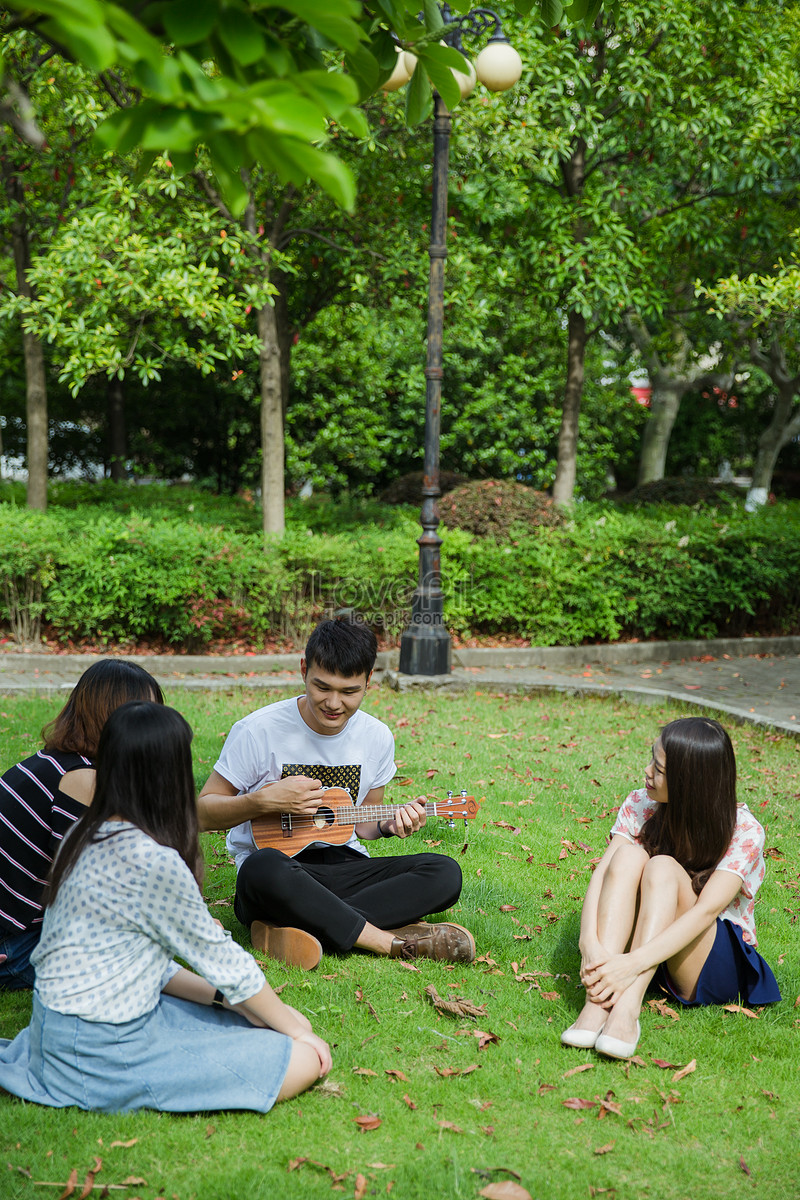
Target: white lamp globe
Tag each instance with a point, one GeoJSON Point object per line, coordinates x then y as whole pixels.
{"type": "Point", "coordinates": [466, 80]}
{"type": "Point", "coordinates": [498, 66]}
{"type": "Point", "coordinates": [410, 61]}
{"type": "Point", "coordinates": [400, 75]}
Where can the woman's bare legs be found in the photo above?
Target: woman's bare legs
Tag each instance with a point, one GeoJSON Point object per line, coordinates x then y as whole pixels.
{"type": "Point", "coordinates": [617, 909]}
{"type": "Point", "coordinates": [665, 894]}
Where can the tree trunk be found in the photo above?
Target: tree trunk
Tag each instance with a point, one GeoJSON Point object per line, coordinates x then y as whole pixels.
{"type": "Point", "coordinates": [566, 470]}
{"type": "Point", "coordinates": [781, 429]}
{"type": "Point", "coordinates": [664, 407]}
{"type": "Point", "coordinates": [35, 378]}
{"type": "Point", "coordinates": [117, 438]}
{"type": "Point", "coordinates": [272, 452]}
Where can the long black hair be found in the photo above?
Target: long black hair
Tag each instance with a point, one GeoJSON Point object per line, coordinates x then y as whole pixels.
{"type": "Point", "coordinates": [144, 775]}
{"type": "Point", "coordinates": [696, 824]}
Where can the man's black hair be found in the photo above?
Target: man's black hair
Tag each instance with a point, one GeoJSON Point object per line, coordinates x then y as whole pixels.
{"type": "Point", "coordinates": [344, 647]}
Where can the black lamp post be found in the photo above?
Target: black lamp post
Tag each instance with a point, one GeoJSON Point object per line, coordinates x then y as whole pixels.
{"type": "Point", "coordinates": [425, 645]}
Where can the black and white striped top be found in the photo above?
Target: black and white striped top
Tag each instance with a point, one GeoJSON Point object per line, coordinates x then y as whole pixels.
{"type": "Point", "coordinates": [34, 816]}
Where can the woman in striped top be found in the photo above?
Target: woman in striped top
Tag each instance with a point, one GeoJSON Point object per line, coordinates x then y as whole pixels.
{"type": "Point", "coordinates": [42, 796]}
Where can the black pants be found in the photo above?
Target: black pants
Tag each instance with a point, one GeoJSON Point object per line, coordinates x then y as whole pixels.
{"type": "Point", "coordinates": [334, 891]}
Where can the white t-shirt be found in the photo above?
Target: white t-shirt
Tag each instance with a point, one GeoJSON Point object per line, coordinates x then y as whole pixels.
{"type": "Point", "coordinates": [744, 857]}
{"type": "Point", "coordinates": [127, 906]}
{"type": "Point", "coordinates": [274, 742]}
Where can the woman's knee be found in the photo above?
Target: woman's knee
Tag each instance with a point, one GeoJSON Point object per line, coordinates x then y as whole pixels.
{"type": "Point", "coordinates": [662, 868]}
{"type": "Point", "coordinates": [302, 1072]}
{"type": "Point", "coordinates": [629, 862]}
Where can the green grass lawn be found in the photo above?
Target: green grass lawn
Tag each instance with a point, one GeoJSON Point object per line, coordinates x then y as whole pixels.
{"type": "Point", "coordinates": [464, 1103]}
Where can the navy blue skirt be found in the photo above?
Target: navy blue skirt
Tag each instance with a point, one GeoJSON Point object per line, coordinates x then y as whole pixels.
{"type": "Point", "coordinates": [733, 970]}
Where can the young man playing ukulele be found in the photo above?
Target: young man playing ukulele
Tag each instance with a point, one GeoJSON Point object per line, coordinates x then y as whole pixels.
{"type": "Point", "coordinates": [280, 759]}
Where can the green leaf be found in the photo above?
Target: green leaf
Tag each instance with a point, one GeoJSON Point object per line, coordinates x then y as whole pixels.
{"type": "Point", "coordinates": [339, 21]}
{"type": "Point", "coordinates": [327, 170]}
{"type": "Point", "coordinates": [188, 22]}
{"type": "Point", "coordinates": [433, 16]}
{"type": "Point", "coordinates": [241, 37]}
{"type": "Point", "coordinates": [418, 97]}
{"type": "Point", "coordinates": [93, 46]}
{"type": "Point", "coordinates": [553, 10]}
{"type": "Point", "coordinates": [441, 76]}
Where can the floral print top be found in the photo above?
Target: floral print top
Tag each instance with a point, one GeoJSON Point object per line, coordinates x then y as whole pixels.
{"type": "Point", "coordinates": [744, 857]}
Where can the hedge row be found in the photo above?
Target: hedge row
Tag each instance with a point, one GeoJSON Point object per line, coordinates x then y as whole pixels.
{"type": "Point", "coordinates": [606, 574]}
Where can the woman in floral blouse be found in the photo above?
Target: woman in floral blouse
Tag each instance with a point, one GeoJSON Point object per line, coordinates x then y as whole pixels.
{"type": "Point", "coordinates": [674, 893]}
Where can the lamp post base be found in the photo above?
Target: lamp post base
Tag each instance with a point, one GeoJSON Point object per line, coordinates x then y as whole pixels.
{"type": "Point", "coordinates": [425, 650]}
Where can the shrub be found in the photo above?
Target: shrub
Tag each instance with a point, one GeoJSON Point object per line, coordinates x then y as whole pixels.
{"type": "Point", "coordinates": [608, 573]}
{"type": "Point", "coordinates": [678, 490]}
{"type": "Point", "coordinates": [408, 488]}
{"type": "Point", "coordinates": [494, 506]}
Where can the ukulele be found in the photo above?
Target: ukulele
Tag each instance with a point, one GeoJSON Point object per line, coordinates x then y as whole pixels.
{"type": "Point", "coordinates": [334, 820]}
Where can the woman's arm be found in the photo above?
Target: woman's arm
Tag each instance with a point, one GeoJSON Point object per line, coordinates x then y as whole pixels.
{"type": "Point", "coordinates": [612, 975]}
{"type": "Point", "coordinates": [264, 1010]}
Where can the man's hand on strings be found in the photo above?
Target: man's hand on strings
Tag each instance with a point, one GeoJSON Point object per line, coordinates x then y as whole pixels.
{"type": "Point", "coordinates": [407, 819]}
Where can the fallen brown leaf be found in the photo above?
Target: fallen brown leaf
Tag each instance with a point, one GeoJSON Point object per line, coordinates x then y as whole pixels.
{"type": "Point", "coordinates": [663, 1009]}
{"type": "Point", "coordinates": [446, 1072]}
{"type": "Point", "coordinates": [88, 1183]}
{"type": "Point", "coordinates": [449, 1125]}
{"type": "Point", "coordinates": [363, 1071]}
{"type": "Point", "coordinates": [509, 908]}
{"type": "Point", "coordinates": [457, 1007]}
{"type": "Point", "coordinates": [664, 1065]}
{"type": "Point", "coordinates": [408, 966]}
{"type": "Point", "coordinates": [407, 1100]}
{"type": "Point", "coordinates": [577, 1102]}
{"type": "Point", "coordinates": [577, 1070]}
{"type": "Point", "coordinates": [609, 1146]}
{"type": "Point", "coordinates": [360, 1189]}
{"type": "Point", "coordinates": [744, 1167]}
{"type": "Point", "coordinates": [687, 1070]}
{"type": "Point", "coordinates": [748, 1012]}
{"type": "Point", "coordinates": [395, 1074]}
{"type": "Point", "coordinates": [126, 1145]}
{"type": "Point", "coordinates": [506, 1189]}
{"type": "Point", "coordinates": [70, 1185]}
{"type": "Point", "coordinates": [367, 1122]}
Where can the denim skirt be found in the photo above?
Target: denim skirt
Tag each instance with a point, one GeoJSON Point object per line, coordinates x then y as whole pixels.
{"type": "Point", "coordinates": [180, 1057]}
{"type": "Point", "coordinates": [733, 970]}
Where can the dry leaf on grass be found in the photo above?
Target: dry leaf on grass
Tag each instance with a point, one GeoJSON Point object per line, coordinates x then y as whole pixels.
{"type": "Point", "coordinates": [367, 1122]}
{"type": "Point", "coordinates": [394, 1074]}
{"type": "Point", "coordinates": [663, 1009]}
{"type": "Point", "coordinates": [748, 1012]}
{"type": "Point", "coordinates": [577, 1102]}
{"type": "Point", "coordinates": [408, 966]}
{"type": "Point", "coordinates": [609, 1146]}
{"type": "Point", "coordinates": [744, 1167]}
{"type": "Point", "coordinates": [363, 1071]}
{"type": "Point", "coordinates": [509, 908]}
{"type": "Point", "coordinates": [407, 1100]}
{"type": "Point", "coordinates": [457, 1007]}
{"type": "Point", "coordinates": [664, 1065]}
{"type": "Point", "coordinates": [577, 1070]}
{"type": "Point", "coordinates": [126, 1145]}
{"type": "Point", "coordinates": [687, 1070]}
{"type": "Point", "coordinates": [506, 1189]}
{"type": "Point", "coordinates": [360, 1190]}
{"type": "Point", "coordinates": [449, 1125]}
{"type": "Point", "coordinates": [70, 1185]}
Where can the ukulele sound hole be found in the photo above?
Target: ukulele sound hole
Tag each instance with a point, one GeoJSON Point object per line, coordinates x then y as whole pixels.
{"type": "Point", "coordinates": [323, 818]}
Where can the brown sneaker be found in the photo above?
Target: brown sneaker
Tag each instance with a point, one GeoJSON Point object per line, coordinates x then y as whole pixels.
{"type": "Point", "coordinates": [295, 947]}
{"type": "Point", "coordinates": [445, 942]}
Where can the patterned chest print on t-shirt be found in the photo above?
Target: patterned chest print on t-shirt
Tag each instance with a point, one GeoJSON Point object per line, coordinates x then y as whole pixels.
{"type": "Point", "coordinates": [344, 776]}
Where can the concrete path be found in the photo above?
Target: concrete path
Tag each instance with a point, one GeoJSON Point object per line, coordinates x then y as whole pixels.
{"type": "Point", "coordinates": [750, 679]}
